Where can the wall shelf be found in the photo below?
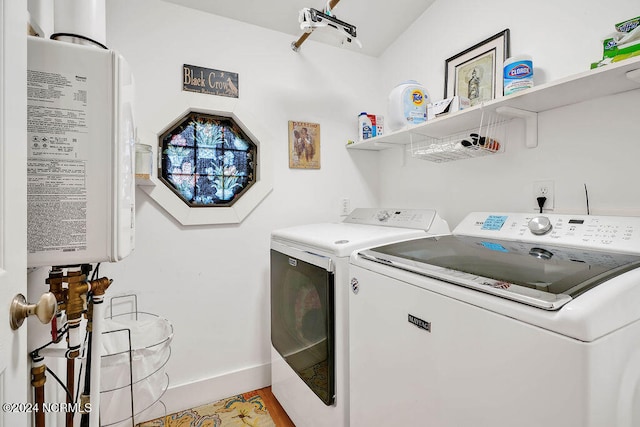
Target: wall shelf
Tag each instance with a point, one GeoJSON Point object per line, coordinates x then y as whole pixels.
{"type": "Point", "coordinates": [144, 181]}
{"type": "Point", "coordinates": [592, 84]}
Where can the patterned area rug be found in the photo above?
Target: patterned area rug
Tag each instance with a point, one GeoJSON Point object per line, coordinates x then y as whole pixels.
{"type": "Point", "coordinates": [317, 377]}
{"type": "Point", "coordinates": [243, 410]}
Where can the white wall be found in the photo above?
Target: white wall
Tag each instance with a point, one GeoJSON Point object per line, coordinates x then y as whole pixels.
{"type": "Point", "coordinates": [212, 282]}
{"type": "Point", "coordinates": [593, 143]}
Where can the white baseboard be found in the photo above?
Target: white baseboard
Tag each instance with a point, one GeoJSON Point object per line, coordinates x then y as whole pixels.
{"type": "Point", "coordinates": [185, 396]}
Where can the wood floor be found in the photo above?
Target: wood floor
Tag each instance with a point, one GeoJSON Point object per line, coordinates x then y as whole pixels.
{"type": "Point", "coordinates": [278, 414]}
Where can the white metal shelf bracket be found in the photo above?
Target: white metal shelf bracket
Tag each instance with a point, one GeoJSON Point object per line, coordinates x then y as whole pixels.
{"type": "Point", "coordinates": [530, 121]}
{"type": "Point", "coordinates": [634, 75]}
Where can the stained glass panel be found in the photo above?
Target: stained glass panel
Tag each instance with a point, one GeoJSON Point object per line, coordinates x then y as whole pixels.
{"type": "Point", "coordinates": [207, 160]}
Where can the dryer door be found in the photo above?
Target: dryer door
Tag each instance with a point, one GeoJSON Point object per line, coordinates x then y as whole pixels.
{"type": "Point", "coordinates": [302, 318]}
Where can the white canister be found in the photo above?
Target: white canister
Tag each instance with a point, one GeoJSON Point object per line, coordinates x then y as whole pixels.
{"type": "Point", "coordinates": [518, 74]}
{"type": "Point", "coordinates": [407, 105]}
{"type": "Point", "coordinates": [144, 161]}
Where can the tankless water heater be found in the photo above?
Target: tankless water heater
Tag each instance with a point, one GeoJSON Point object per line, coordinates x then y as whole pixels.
{"type": "Point", "coordinates": [81, 135]}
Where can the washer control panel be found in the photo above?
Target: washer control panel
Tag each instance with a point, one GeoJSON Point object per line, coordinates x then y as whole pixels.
{"type": "Point", "coordinates": [613, 233]}
{"type": "Point", "coordinates": [540, 225]}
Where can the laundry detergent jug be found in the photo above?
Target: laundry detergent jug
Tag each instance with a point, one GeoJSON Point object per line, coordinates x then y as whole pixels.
{"type": "Point", "coordinates": [407, 105]}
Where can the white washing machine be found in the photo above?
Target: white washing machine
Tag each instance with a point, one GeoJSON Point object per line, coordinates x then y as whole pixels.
{"type": "Point", "coordinates": [309, 301]}
{"type": "Point", "coordinates": [513, 320]}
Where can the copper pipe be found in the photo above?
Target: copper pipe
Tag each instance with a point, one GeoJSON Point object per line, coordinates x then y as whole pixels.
{"type": "Point", "coordinates": [78, 289]}
{"type": "Point", "coordinates": [99, 286]}
{"type": "Point", "coordinates": [296, 45]}
{"type": "Point", "coordinates": [55, 279]}
{"type": "Point", "coordinates": [38, 379]}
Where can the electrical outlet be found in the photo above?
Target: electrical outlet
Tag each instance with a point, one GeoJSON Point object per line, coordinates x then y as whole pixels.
{"type": "Point", "coordinates": [345, 206]}
{"type": "Point", "coordinates": [543, 189]}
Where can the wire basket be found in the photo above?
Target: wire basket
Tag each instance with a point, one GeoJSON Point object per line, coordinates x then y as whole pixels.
{"type": "Point", "coordinates": [486, 139]}
{"type": "Point", "coordinates": [136, 349]}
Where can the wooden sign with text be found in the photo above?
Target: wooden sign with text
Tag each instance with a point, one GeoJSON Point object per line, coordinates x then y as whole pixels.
{"type": "Point", "coordinates": [212, 82]}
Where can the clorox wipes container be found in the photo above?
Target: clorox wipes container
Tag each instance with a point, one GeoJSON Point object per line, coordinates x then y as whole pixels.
{"type": "Point", "coordinates": [407, 105]}
{"type": "Point", "coordinates": [518, 74]}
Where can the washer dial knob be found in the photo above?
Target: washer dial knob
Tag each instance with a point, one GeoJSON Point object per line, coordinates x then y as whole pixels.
{"type": "Point", "coordinates": [540, 225]}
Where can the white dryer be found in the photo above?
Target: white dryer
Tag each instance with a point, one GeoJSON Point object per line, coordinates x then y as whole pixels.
{"type": "Point", "coordinates": [309, 301]}
{"type": "Point", "coordinates": [512, 320]}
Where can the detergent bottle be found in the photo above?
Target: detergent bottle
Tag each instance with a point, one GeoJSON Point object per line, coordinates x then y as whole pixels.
{"type": "Point", "coordinates": [407, 105]}
{"type": "Point", "coordinates": [365, 127]}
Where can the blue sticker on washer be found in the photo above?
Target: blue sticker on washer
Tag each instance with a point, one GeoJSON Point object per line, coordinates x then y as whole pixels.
{"type": "Point", "coordinates": [494, 222]}
{"type": "Point", "coordinates": [494, 246]}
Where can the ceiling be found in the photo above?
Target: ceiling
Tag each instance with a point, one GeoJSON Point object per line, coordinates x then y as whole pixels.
{"type": "Point", "coordinates": [378, 22]}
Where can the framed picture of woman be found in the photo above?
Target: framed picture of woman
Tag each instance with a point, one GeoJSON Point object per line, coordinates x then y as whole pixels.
{"type": "Point", "coordinates": [476, 73]}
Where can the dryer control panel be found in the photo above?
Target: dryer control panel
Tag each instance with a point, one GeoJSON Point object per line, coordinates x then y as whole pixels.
{"type": "Point", "coordinates": [420, 219]}
{"type": "Point", "coordinates": [611, 233]}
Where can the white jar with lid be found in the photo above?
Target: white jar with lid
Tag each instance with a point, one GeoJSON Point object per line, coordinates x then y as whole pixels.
{"type": "Point", "coordinates": [144, 161]}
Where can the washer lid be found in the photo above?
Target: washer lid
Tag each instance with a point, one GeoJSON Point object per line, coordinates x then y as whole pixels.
{"type": "Point", "coordinates": [544, 276]}
{"type": "Point", "coordinates": [342, 239]}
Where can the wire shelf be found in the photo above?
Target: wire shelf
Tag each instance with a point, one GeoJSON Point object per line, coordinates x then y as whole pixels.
{"type": "Point", "coordinates": [486, 139]}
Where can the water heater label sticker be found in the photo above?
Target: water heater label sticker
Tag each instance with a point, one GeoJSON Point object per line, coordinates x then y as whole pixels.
{"type": "Point", "coordinates": [57, 205]}
{"type": "Point", "coordinates": [57, 115]}
{"type": "Point", "coordinates": [57, 132]}
{"type": "Point", "coordinates": [494, 222]}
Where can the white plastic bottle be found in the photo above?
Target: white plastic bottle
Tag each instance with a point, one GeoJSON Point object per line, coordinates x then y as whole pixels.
{"type": "Point", "coordinates": [407, 105]}
{"type": "Point", "coordinates": [365, 127]}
